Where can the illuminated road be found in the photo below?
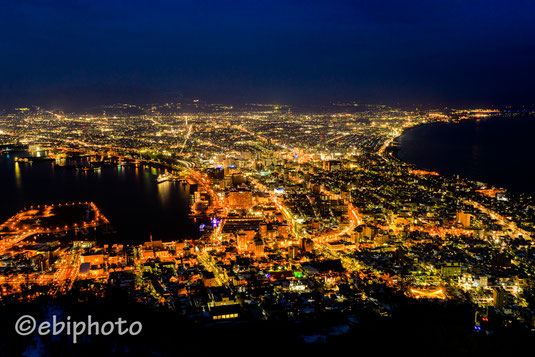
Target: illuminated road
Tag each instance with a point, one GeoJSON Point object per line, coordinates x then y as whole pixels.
{"type": "Point", "coordinates": [206, 261]}
{"type": "Point", "coordinates": [512, 226]}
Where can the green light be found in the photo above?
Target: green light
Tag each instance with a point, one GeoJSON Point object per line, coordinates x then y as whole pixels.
{"type": "Point", "coordinates": [298, 274]}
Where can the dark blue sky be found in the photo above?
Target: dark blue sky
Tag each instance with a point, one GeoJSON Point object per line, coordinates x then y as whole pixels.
{"type": "Point", "coordinates": [452, 52]}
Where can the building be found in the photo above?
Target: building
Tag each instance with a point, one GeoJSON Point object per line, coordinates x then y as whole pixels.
{"type": "Point", "coordinates": [93, 259]}
{"type": "Point", "coordinates": [238, 199]}
{"type": "Point", "coordinates": [229, 163]}
{"type": "Point", "coordinates": [238, 179]}
{"type": "Point", "coordinates": [263, 230]}
{"type": "Point", "coordinates": [369, 232]}
{"type": "Point", "coordinates": [451, 270]}
{"type": "Point", "coordinates": [464, 218]}
{"type": "Point", "coordinates": [332, 165]}
{"type": "Point", "coordinates": [225, 312]}
{"type": "Point", "coordinates": [499, 297]}
{"type": "Point", "coordinates": [283, 231]}
{"type": "Point", "coordinates": [208, 279]}
{"type": "Point", "coordinates": [241, 237]}
{"type": "Point", "coordinates": [381, 239]}
{"type": "Point", "coordinates": [292, 251]}
{"type": "Point", "coordinates": [307, 245]}
{"type": "Point", "coordinates": [258, 247]}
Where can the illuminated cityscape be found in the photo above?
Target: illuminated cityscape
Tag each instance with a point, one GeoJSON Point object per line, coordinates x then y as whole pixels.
{"type": "Point", "coordinates": [300, 215]}
{"type": "Point", "coordinates": [283, 177]}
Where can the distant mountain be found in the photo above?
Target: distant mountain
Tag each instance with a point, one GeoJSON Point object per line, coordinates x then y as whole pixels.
{"type": "Point", "coordinates": [84, 98]}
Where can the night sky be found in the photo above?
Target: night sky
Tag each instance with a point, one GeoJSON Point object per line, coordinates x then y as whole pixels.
{"type": "Point", "coordinates": [422, 52]}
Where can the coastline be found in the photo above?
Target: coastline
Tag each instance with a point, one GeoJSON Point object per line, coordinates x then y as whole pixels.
{"type": "Point", "coordinates": [132, 184]}
{"type": "Point", "coordinates": [395, 147]}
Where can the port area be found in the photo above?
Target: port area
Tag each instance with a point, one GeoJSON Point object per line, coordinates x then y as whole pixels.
{"type": "Point", "coordinates": [168, 177]}
{"type": "Point", "coordinates": [39, 238]}
{"type": "Point", "coordinates": [50, 220]}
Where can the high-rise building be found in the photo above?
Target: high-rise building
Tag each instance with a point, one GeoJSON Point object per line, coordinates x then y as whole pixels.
{"type": "Point", "coordinates": [292, 251]}
{"type": "Point", "coordinates": [258, 247]}
{"type": "Point", "coordinates": [464, 218]}
{"type": "Point", "coordinates": [499, 297]}
{"type": "Point", "coordinates": [241, 237]}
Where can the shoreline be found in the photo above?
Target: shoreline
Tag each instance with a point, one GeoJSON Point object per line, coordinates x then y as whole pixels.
{"type": "Point", "coordinates": [394, 148]}
{"type": "Point", "coordinates": [119, 220]}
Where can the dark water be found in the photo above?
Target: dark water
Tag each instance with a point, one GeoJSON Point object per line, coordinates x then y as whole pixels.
{"type": "Point", "coordinates": [497, 150]}
{"type": "Point", "coordinates": [129, 197]}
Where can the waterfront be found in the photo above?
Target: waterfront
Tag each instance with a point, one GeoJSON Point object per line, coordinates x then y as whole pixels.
{"type": "Point", "coordinates": [130, 197]}
{"type": "Point", "coordinates": [308, 220]}
{"type": "Point", "coordinates": [496, 150]}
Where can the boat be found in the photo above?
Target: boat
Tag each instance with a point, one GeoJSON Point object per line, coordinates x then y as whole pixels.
{"type": "Point", "coordinates": [87, 168]}
{"type": "Point", "coordinates": [164, 177]}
